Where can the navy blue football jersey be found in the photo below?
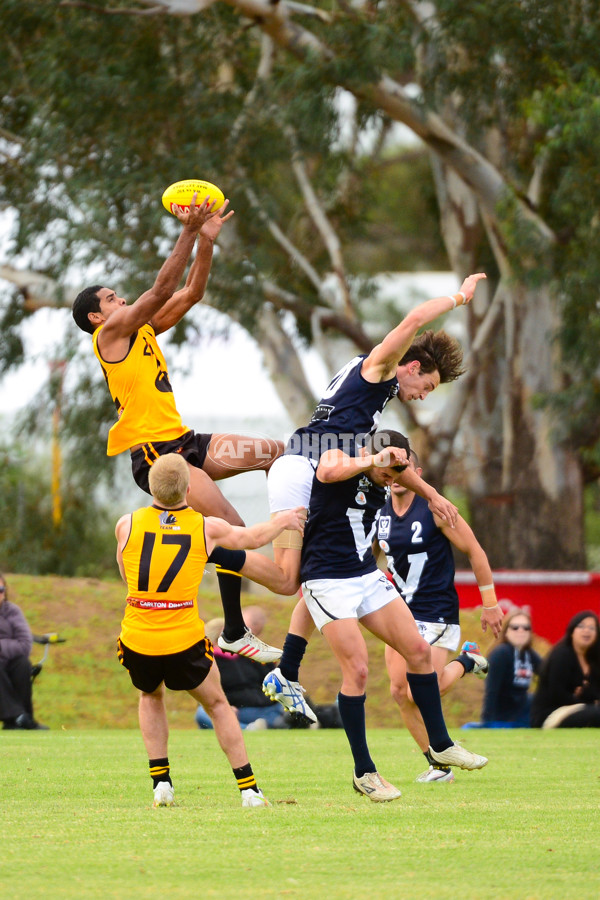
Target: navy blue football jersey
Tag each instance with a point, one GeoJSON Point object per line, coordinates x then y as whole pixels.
{"type": "Point", "coordinates": [340, 529]}
{"type": "Point", "coordinates": [420, 560]}
{"type": "Point", "coordinates": [348, 412]}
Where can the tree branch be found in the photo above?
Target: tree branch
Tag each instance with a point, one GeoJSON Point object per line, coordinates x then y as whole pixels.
{"type": "Point", "coordinates": [322, 223]}
{"type": "Point", "coordinates": [390, 97]}
{"type": "Point", "coordinates": [121, 11]}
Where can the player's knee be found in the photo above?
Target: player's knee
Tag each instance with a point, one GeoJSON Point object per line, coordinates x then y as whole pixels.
{"type": "Point", "coordinates": [399, 692]}
{"type": "Point", "coordinates": [360, 674]}
{"type": "Point", "coordinates": [216, 705]}
{"type": "Point", "coordinates": [419, 655]}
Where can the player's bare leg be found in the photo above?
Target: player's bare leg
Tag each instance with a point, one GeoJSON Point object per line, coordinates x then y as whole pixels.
{"type": "Point", "coordinates": [227, 728]}
{"type": "Point", "coordinates": [205, 497]}
{"type": "Point", "coordinates": [348, 644]}
{"type": "Point", "coordinates": [395, 625]}
{"type": "Point", "coordinates": [400, 691]}
{"type": "Point", "coordinates": [155, 734]}
{"type": "Point", "coordinates": [229, 735]}
{"type": "Point", "coordinates": [153, 723]}
{"type": "Point", "coordinates": [233, 454]}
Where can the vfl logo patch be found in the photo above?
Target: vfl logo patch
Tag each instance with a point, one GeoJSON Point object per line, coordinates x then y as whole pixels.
{"type": "Point", "coordinates": [322, 412]}
{"type": "Point", "coordinates": [384, 526]}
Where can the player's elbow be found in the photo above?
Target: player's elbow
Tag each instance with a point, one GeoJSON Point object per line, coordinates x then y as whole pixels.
{"type": "Point", "coordinates": [327, 474]}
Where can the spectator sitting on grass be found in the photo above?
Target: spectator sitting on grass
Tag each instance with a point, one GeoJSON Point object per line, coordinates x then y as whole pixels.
{"type": "Point", "coordinates": [242, 679]}
{"type": "Point", "coordinates": [568, 691]}
{"type": "Point", "coordinates": [512, 666]}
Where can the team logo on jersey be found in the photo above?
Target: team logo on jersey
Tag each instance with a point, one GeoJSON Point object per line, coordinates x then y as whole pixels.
{"type": "Point", "coordinates": [383, 530]}
{"type": "Point", "coordinates": [322, 412]}
{"type": "Point", "coordinates": [168, 520]}
{"type": "Point", "coordinates": [360, 498]}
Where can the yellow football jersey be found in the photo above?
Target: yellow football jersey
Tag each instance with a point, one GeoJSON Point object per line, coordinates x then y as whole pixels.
{"type": "Point", "coordinates": [164, 560]}
{"type": "Point", "coordinates": [141, 391]}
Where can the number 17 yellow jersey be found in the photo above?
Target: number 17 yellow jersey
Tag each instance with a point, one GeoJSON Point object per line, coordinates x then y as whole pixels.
{"type": "Point", "coordinates": [164, 560]}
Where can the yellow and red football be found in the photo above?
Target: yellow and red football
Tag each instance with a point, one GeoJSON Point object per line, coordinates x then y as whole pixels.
{"type": "Point", "coordinates": [180, 194]}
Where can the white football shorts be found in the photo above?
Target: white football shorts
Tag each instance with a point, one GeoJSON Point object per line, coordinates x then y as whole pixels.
{"type": "Point", "coordinates": [289, 482]}
{"type": "Point", "coordinates": [447, 637]}
{"type": "Point", "coordinates": [328, 599]}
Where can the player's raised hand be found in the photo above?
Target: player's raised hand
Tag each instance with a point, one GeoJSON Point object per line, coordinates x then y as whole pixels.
{"type": "Point", "coordinates": [212, 226]}
{"type": "Point", "coordinates": [390, 456]}
{"type": "Point", "coordinates": [194, 218]}
{"type": "Point", "coordinates": [468, 286]}
{"type": "Point", "coordinates": [445, 510]}
{"type": "Point", "coordinates": [292, 519]}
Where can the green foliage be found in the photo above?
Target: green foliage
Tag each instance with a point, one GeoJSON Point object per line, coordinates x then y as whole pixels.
{"type": "Point", "coordinates": [82, 543]}
{"type": "Point", "coordinates": [107, 110]}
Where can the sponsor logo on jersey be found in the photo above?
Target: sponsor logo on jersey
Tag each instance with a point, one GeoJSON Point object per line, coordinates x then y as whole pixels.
{"type": "Point", "coordinates": [158, 604]}
{"type": "Point", "coordinates": [360, 499]}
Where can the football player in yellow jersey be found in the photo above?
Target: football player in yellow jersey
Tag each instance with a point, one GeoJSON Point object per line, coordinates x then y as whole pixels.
{"type": "Point", "coordinates": [161, 551]}
{"type": "Point", "coordinates": [148, 422]}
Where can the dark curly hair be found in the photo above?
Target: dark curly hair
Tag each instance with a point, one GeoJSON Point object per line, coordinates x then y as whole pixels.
{"type": "Point", "coordinates": [436, 351]}
{"type": "Point", "coordinates": [86, 301]}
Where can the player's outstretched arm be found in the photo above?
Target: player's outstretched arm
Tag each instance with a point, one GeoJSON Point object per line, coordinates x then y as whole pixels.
{"type": "Point", "coordinates": [127, 319]}
{"type": "Point", "coordinates": [383, 359]}
{"type": "Point", "coordinates": [335, 465]}
{"type": "Point", "coordinates": [464, 540]}
{"type": "Point", "coordinates": [193, 292]}
{"type": "Point", "coordinates": [438, 504]}
{"type": "Point", "coordinates": [235, 537]}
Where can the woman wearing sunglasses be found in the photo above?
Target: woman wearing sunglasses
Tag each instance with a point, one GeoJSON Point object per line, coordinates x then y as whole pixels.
{"type": "Point", "coordinates": [512, 665]}
{"type": "Point", "coordinates": [568, 693]}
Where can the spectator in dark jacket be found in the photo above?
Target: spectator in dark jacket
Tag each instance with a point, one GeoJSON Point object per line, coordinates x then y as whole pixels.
{"type": "Point", "coordinates": [512, 665]}
{"type": "Point", "coordinates": [242, 680]}
{"type": "Point", "coordinates": [568, 692]}
{"type": "Point", "coordinates": [16, 641]}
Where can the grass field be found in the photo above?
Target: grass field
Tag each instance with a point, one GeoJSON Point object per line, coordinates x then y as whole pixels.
{"type": "Point", "coordinates": [77, 820]}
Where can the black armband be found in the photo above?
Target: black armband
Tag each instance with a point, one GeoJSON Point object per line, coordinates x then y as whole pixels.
{"type": "Point", "coordinates": [232, 560]}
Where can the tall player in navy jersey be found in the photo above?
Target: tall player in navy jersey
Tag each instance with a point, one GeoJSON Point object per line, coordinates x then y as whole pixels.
{"type": "Point", "coordinates": [417, 546]}
{"type": "Point", "coordinates": [403, 366]}
{"type": "Point", "coordinates": [342, 586]}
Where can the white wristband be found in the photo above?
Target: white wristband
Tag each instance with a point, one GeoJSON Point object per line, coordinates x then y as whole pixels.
{"type": "Point", "coordinates": [464, 296]}
{"type": "Point", "coordinates": [450, 297]}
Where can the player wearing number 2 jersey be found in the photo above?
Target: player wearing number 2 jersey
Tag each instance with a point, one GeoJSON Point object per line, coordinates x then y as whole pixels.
{"type": "Point", "coordinates": [162, 551]}
{"type": "Point", "coordinates": [418, 549]}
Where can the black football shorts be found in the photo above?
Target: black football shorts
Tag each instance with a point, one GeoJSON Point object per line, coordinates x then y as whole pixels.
{"type": "Point", "coordinates": [182, 671]}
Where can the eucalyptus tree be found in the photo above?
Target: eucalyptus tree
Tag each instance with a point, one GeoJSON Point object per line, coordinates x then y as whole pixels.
{"type": "Point", "coordinates": [104, 104]}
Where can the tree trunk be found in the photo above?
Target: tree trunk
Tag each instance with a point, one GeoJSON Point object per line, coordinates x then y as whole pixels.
{"type": "Point", "coordinates": [524, 488]}
{"type": "Point", "coordinates": [524, 485]}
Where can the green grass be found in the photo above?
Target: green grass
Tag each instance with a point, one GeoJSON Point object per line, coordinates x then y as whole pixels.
{"type": "Point", "coordinates": [77, 820]}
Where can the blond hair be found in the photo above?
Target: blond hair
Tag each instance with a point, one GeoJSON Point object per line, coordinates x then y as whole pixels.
{"type": "Point", "coordinates": [168, 480]}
